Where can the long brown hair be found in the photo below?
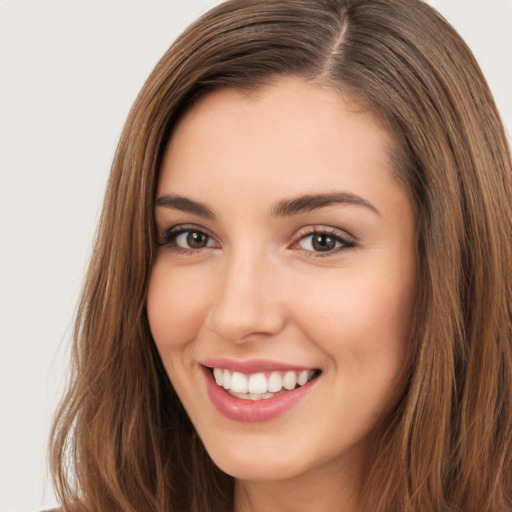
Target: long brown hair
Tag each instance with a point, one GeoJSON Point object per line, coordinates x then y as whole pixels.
{"type": "Point", "coordinates": [121, 439]}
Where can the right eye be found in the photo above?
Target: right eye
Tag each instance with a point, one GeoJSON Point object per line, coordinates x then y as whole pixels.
{"type": "Point", "coordinates": [187, 239]}
{"type": "Point", "coordinates": [192, 240]}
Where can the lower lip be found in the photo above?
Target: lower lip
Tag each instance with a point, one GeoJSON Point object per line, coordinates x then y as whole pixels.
{"type": "Point", "coordinates": [253, 411]}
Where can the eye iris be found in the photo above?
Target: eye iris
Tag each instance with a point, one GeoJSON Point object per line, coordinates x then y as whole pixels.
{"type": "Point", "coordinates": [323, 242]}
{"type": "Point", "coordinates": [197, 240]}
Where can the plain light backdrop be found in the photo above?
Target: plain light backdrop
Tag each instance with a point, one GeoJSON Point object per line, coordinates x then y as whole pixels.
{"type": "Point", "coordinates": [69, 71]}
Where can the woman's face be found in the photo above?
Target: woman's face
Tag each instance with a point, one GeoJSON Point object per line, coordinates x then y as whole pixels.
{"type": "Point", "coordinates": [286, 270]}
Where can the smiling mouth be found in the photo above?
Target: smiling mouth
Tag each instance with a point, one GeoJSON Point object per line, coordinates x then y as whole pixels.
{"type": "Point", "coordinates": [261, 385]}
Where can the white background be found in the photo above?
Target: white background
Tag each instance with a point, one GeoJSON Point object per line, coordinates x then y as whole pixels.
{"type": "Point", "coordinates": [69, 71]}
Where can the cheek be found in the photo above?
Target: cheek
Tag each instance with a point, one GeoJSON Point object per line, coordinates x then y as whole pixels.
{"type": "Point", "coordinates": [175, 307]}
{"type": "Point", "coordinates": [361, 314]}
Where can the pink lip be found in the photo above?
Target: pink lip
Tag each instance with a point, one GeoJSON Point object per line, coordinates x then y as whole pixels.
{"type": "Point", "coordinates": [252, 365]}
{"type": "Point", "coordinates": [253, 411]}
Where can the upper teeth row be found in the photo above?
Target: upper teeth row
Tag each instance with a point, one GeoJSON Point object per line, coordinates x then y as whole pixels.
{"type": "Point", "coordinates": [260, 382]}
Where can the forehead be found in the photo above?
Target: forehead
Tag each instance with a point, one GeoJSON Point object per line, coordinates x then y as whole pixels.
{"type": "Point", "coordinates": [287, 102]}
{"type": "Point", "coordinates": [293, 133]}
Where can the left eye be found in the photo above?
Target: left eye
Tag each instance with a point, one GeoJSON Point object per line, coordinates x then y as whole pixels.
{"type": "Point", "coordinates": [323, 242]}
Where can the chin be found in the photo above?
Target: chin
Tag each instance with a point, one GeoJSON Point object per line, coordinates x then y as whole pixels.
{"type": "Point", "coordinates": [257, 469]}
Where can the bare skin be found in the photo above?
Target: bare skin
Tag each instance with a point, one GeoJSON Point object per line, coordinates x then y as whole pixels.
{"type": "Point", "coordinates": [248, 272]}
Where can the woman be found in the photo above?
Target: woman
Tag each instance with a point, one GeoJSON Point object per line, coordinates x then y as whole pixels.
{"type": "Point", "coordinates": [300, 293]}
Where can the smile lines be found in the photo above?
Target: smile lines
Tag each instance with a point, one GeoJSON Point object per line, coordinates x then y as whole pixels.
{"type": "Point", "coordinates": [258, 386]}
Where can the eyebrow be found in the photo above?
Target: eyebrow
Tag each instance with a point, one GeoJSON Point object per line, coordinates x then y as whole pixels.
{"type": "Point", "coordinates": [312, 202]}
{"type": "Point", "coordinates": [185, 205]}
{"type": "Point", "coordinates": [284, 208]}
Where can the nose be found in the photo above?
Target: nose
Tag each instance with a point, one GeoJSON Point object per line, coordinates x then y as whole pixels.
{"type": "Point", "coordinates": [248, 305]}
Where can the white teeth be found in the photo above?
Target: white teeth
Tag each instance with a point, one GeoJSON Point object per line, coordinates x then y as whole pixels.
{"type": "Point", "coordinates": [239, 383]}
{"type": "Point", "coordinates": [290, 380]}
{"type": "Point", "coordinates": [226, 379]}
{"type": "Point", "coordinates": [252, 396]}
{"type": "Point", "coordinates": [218, 375]}
{"type": "Point", "coordinates": [275, 382]}
{"type": "Point", "coordinates": [259, 385]}
{"type": "Point", "coordinates": [303, 377]}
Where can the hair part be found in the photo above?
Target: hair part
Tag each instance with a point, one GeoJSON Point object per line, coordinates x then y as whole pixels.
{"type": "Point", "coordinates": [122, 441]}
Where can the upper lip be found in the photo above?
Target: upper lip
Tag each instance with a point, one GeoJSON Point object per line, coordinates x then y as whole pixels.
{"type": "Point", "coordinates": [252, 365]}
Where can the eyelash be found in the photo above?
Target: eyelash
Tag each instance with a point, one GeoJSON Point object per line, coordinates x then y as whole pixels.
{"type": "Point", "coordinates": [171, 234]}
{"type": "Point", "coordinates": [343, 242]}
